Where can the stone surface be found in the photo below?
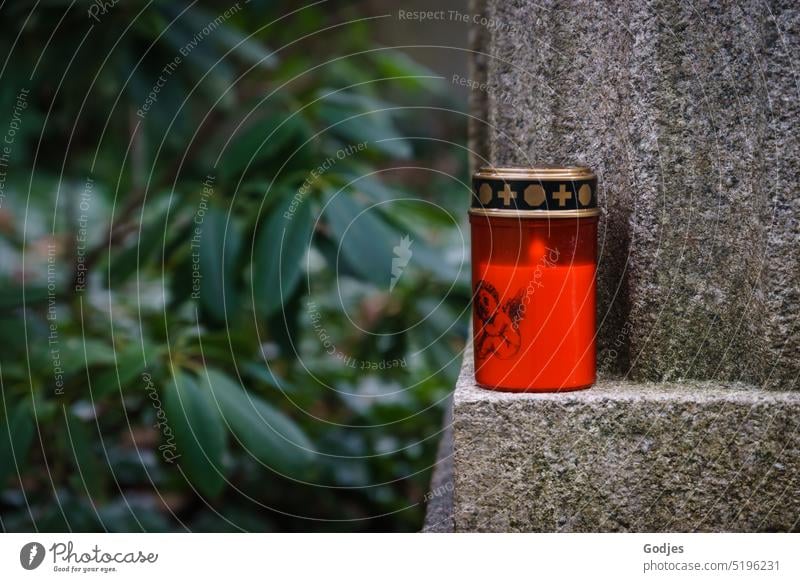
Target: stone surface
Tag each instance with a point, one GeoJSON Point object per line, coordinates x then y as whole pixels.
{"type": "Point", "coordinates": [439, 509]}
{"type": "Point", "coordinates": [625, 456]}
{"type": "Point", "coordinates": [688, 112]}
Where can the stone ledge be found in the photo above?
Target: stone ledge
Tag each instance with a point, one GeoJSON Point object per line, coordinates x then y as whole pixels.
{"type": "Point", "coordinates": [624, 456]}
{"type": "Point", "coordinates": [439, 509]}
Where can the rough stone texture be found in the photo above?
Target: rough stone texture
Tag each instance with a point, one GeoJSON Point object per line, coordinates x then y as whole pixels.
{"type": "Point", "coordinates": [439, 511]}
{"type": "Point", "coordinates": [624, 456]}
{"type": "Point", "coordinates": [689, 114]}
{"type": "Point", "coordinates": [688, 111]}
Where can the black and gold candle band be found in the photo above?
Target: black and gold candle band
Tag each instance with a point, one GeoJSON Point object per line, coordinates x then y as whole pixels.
{"type": "Point", "coordinates": [557, 192]}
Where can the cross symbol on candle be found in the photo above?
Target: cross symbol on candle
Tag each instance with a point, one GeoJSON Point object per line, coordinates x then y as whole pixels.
{"type": "Point", "coordinates": [507, 194]}
{"type": "Point", "coordinates": [562, 195]}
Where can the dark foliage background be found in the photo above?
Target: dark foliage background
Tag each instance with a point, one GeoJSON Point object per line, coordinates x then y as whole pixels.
{"type": "Point", "coordinates": [176, 353]}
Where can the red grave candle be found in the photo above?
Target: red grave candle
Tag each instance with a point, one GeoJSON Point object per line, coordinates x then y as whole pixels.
{"type": "Point", "coordinates": [534, 246]}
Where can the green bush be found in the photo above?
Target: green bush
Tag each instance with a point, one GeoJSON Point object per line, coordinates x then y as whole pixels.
{"type": "Point", "coordinates": [208, 320]}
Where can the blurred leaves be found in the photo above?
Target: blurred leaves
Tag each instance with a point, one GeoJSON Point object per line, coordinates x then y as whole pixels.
{"type": "Point", "coordinates": [363, 239]}
{"type": "Point", "coordinates": [264, 432]}
{"type": "Point", "coordinates": [280, 245]}
{"type": "Point", "coordinates": [237, 299]}
{"type": "Point", "coordinates": [219, 249]}
{"type": "Point", "coordinates": [89, 469]}
{"type": "Point", "coordinates": [128, 365]}
{"type": "Point", "coordinates": [361, 119]}
{"type": "Point", "coordinates": [199, 433]}
{"type": "Point", "coordinates": [261, 141]}
{"type": "Point", "coordinates": [16, 434]}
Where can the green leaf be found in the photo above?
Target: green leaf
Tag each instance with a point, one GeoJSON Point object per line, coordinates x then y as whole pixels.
{"type": "Point", "coordinates": [11, 330]}
{"type": "Point", "coordinates": [241, 44]}
{"type": "Point", "coordinates": [167, 114]}
{"type": "Point", "coordinates": [88, 469]}
{"type": "Point", "coordinates": [199, 433]}
{"type": "Point", "coordinates": [279, 249]}
{"type": "Point", "coordinates": [393, 63]}
{"type": "Point", "coordinates": [130, 363]}
{"type": "Point", "coordinates": [283, 326]}
{"type": "Point", "coordinates": [412, 213]}
{"type": "Point", "coordinates": [358, 118]}
{"type": "Point", "coordinates": [329, 249]}
{"type": "Point", "coordinates": [414, 218]}
{"type": "Point", "coordinates": [266, 376]}
{"type": "Point", "coordinates": [437, 351]}
{"type": "Point", "coordinates": [16, 435]}
{"type": "Point", "coordinates": [11, 295]}
{"type": "Point", "coordinates": [371, 185]}
{"type": "Point", "coordinates": [218, 252]}
{"type": "Point", "coordinates": [353, 101]}
{"type": "Point", "coordinates": [209, 72]}
{"type": "Point", "coordinates": [134, 257]}
{"type": "Point", "coordinates": [79, 353]}
{"type": "Point", "coordinates": [181, 283]}
{"type": "Point", "coordinates": [430, 260]}
{"type": "Point", "coordinates": [261, 140]}
{"type": "Point", "coordinates": [363, 238]}
{"type": "Point", "coordinates": [264, 432]}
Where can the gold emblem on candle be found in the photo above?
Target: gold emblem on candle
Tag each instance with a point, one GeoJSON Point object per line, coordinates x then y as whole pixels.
{"type": "Point", "coordinates": [562, 195]}
{"type": "Point", "coordinates": [534, 195]}
{"type": "Point", "coordinates": [507, 194]}
{"type": "Point", "coordinates": [485, 193]}
{"type": "Point", "coordinates": [585, 194]}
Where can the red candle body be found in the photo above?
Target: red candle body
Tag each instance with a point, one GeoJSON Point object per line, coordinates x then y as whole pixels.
{"type": "Point", "coordinates": [533, 279]}
{"type": "Point", "coordinates": [534, 285]}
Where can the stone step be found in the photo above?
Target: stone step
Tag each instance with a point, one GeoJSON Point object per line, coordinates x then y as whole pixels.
{"type": "Point", "coordinates": [622, 456]}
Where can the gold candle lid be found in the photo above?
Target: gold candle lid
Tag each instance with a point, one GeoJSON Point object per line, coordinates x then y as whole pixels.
{"type": "Point", "coordinates": [545, 191]}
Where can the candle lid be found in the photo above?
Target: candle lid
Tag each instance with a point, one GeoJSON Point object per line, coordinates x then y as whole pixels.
{"type": "Point", "coordinates": [547, 191]}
